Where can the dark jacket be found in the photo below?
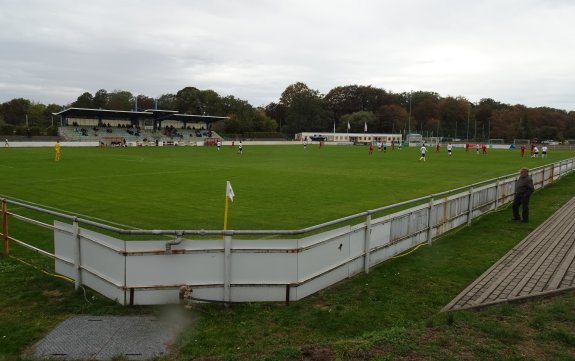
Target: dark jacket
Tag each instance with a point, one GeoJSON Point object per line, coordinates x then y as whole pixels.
{"type": "Point", "coordinates": [524, 185]}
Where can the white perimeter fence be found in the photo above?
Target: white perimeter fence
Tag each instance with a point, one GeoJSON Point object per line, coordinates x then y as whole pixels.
{"type": "Point", "coordinates": [248, 270]}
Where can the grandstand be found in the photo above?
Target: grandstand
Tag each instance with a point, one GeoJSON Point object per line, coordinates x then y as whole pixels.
{"type": "Point", "coordinates": [150, 127]}
{"type": "Point", "coordinates": [110, 135]}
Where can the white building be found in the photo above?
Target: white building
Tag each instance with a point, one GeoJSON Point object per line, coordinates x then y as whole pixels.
{"type": "Point", "coordinates": [355, 138]}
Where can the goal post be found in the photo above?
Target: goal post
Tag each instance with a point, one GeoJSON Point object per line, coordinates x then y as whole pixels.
{"type": "Point", "coordinates": [521, 141]}
{"type": "Point", "coordinates": [495, 141]}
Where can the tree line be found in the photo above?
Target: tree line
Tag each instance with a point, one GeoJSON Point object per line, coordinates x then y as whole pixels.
{"type": "Point", "coordinates": [300, 108]}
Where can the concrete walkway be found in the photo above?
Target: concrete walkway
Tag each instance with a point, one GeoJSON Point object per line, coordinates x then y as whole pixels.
{"type": "Point", "coordinates": [543, 263]}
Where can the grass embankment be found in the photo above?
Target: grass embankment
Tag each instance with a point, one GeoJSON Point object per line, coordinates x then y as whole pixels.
{"type": "Point", "coordinates": [393, 312]}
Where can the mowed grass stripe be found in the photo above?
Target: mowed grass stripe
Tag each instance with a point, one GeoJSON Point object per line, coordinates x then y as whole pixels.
{"type": "Point", "coordinates": [277, 187]}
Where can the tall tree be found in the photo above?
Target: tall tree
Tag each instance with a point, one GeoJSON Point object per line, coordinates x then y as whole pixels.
{"type": "Point", "coordinates": [277, 112]}
{"type": "Point", "coordinates": [36, 115]}
{"type": "Point", "coordinates": [353, 98]}
{"type": "Point", "coordinates": [392, 118]}
{"type": "Point", "coordinates": [452, 116]}
{"type": "Point", "coordinates": [524, 129]}
{"type": "Point", "coordinates": [305, 110]}
{"type": "Point", "coordinates": [306, 113]}
{"type": "Point", "coordinates": [189, 101]}
{"type": "Point", "coordinates": [263, 123]}
{"type": "Point", "coordinates": [424, 108]}
{"type": "Point", "coordinates": [343, 100]}
{"type": "Point", "coordinates": [241, 114]}
{"type": "Point", "coordinates": [120, 100]}
{"type": "Point", "coordinates": [296, 90]}
{"type": "Point", "coordinates": [144, 102]}
{"type": "Point", "coordinates": [211, 102]}
{"type": "Point", "coordinates": [167, 102]}
{"type": "Point", "coordinates": [50, 109]}
{"type": "Point", "coordinates": [504, 123]}
{"type": "Point", "coordinates": [86, 100]}
{"type": "Point", "coordinates": [14, 111]}
{"type": "Point", "coordinates": [101, 99]}
{"type": "Point", "coordinates": [358, 121]}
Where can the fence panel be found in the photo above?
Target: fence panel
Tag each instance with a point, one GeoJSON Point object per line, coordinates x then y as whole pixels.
{"type": "Point", "coordinates": [151, 272]}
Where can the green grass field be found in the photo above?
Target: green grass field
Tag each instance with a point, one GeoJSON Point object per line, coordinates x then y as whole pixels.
{"type": "Point", "coordinates": [392, 313]}
{"type": "Point", "coordinates": [276, 187]}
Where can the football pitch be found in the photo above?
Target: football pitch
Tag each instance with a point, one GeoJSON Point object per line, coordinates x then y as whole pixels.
{"type": "Point", "coordinates": [276, 187]}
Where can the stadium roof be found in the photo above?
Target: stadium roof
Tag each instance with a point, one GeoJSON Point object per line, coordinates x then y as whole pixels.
{"type": "Point", "coordinates": [156, 114]}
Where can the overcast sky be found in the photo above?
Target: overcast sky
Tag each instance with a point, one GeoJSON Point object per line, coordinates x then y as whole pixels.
{"type": "Point", "coordinates": [514, 51]}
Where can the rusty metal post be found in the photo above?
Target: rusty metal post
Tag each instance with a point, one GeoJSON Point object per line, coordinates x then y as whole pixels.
{"type": "Point", "coordinates": [6, 246]}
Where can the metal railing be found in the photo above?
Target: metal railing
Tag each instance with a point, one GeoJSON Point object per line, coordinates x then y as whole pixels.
{"type": "Point", "coordinates": [310, 263]}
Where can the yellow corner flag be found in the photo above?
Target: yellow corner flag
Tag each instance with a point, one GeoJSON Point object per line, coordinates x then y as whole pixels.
{"type": "Point", "coordinates": [229, 196]}
{"type": "Point", "coordinates": [229, 191]}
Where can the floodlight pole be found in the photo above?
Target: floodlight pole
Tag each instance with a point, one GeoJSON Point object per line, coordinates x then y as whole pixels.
{"type": "Point", "coordinates": [455, 136]}
{"type": "Point", "coordinates": [468, 112]}
{"type": "Point", "coordinates": [409, 118]}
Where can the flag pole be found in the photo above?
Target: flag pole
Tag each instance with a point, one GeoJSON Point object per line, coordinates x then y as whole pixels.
{"type": "Point", "coordinates": [229, 196]}
{"type": "Point", "coordinates": [226, 212]}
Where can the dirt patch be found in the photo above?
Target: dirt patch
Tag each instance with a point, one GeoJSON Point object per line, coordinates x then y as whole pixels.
{"type": "Point", "coordinates": [53, 293]}
{"type": "Point", "coordinates": [316, 353]}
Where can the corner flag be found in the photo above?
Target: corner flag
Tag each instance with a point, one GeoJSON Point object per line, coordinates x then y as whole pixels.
{"type": "Point", "coordinates": [229, 191]}
{"type": "Point", "coordinates": [229, 195]}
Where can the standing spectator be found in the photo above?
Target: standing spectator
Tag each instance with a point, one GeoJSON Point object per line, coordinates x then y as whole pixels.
{"type": "Point", "coordinates": [423, 152]}
{"type": "Point", "coordinates": [523, 189]}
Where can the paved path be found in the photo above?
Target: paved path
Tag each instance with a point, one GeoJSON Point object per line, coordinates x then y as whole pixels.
{"type": "Point", "coordinates": [543, 263]}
